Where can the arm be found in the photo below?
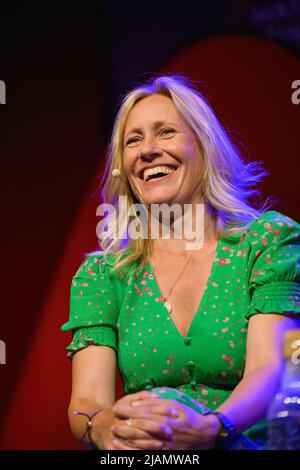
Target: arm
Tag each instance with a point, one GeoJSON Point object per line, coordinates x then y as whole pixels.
{"type": "Point", "coordinates": [250, 399]}
{"type": "Point", "coordinates": [93, 387]}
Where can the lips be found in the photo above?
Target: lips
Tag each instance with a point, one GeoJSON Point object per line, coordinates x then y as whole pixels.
{"type": "Point", "coordinates": [156, 172]}
{"type": "Point", "coordinates": [159, 178]}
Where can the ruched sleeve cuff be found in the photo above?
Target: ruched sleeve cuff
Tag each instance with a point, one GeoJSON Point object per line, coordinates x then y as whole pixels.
{"type": "Point", "coordinates": [274, 265]}
{"type": "Point", "coordinates": [98, 336]}
{"type": "Point", "coordinates": [277, 297]}
{"type": "Point", "coordinates": [94, 306]}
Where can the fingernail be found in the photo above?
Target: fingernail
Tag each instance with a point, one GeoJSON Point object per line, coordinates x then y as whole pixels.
{"type": "Point", "coordinates": [168, 431]}
{"type": "Point", "coordinates": [175, 413]}
{"type": "Point", "coordinates": [136, 403]}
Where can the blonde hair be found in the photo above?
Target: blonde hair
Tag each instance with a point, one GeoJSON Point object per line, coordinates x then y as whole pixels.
{"type": "Point", "coordinates": [228, 179]}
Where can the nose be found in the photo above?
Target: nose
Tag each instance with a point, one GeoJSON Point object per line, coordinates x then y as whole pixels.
{"type": "Point", "coordinates": [149, 151]}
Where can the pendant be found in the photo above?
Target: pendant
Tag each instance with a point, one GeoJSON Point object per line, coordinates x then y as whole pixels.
{"type": "Point", "coordinates": [168, 306]}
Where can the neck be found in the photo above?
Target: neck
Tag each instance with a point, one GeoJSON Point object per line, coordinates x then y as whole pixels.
{"type": "Point", "coordinates": [196, 231]}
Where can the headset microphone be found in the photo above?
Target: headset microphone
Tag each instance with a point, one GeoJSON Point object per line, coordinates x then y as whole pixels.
{"type": "Point", "coordinates": [116, 173]}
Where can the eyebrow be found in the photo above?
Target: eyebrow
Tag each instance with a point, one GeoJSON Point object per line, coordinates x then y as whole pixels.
{"type": "Point", "coordinates": [155, 125]}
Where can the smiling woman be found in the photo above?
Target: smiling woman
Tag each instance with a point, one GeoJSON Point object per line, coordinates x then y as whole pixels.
{"type": "Point", "coordinates": [155, 149]}
{"type": "Point", "coordinates": [200, 328]}
{"type": "Point", "coordinates": [168, 122]}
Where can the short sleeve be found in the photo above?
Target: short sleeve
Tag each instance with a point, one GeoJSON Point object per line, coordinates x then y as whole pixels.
{"type": "Point", "coordinates": [93, 306]}
{"type": "Point", "coordinates": [274, 263]}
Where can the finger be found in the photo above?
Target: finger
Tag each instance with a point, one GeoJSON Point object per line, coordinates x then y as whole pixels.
{"type": "Point", "coordinates": [151, 421]}
{"type": "Point", "coordinates": [129, 432]}
{"type": "Point", "coordinates": [157, 400]}
{"type": "Point", "coordinates": [158, 407]}
{"type": "Point", "coordinates": [122, 411]}
{"type": "Point", "coordinates": [127, 399]}
{"type": "Point", "coordinates": [139, 444]}
{"type": "Point", "coordinates": [147, 444]}
{"type": "Point", "coordinates": [146, 400]}
{"type": "Point", "coordinates": [127, 411]}
{"type": "Point", "coordinates": [143, 429]}
{"type": "Point", "coordinates": [160, 429]}
{"type": "Point", "coordinates": [119, 445]}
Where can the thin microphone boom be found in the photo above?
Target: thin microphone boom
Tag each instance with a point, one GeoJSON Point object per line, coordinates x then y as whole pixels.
{"type": "Point", "coordinates": [117, 174]}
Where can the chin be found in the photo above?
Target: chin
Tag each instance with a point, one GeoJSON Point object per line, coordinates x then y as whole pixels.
{"type": "Point", "coordinates": [160, 195]}
{"type": "Point", "coordinates": [160, 199]}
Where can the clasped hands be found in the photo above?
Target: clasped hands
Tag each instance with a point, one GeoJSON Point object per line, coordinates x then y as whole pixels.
{"type": "Point", "coordinates": [145, 421]}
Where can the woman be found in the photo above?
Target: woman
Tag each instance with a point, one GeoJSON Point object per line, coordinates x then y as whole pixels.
{"type": "Point", "coordinates": [207, 321]}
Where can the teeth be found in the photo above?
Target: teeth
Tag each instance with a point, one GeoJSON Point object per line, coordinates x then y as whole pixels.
{"type": "Point", "coordinates": [158, 169]}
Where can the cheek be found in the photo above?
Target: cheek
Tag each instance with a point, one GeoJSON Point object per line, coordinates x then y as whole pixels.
{"type": "Point", "coordinates": [128, 160]}
{"type": "Point", "coordinates": [191, 156]}
{"type": "Point", "coordinates": [193, 153]}
{"type": "Point", "coordinates": [185, 148]}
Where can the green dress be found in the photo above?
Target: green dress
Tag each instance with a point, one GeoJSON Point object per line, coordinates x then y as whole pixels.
{"type": "Point", "coordinates": [257, 271]}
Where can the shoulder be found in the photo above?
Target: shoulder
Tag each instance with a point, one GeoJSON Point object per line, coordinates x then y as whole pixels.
{"type": "Point", "coordinates": [273, 263]}
{"type": "Point", "coordinates": [95, 263]}
{"type": "Point", "coordinates": [272, 227]}
{"type": "Point", "coordinates": [274, 218]}
{"type": "Point", "coordinates": [274, 253]}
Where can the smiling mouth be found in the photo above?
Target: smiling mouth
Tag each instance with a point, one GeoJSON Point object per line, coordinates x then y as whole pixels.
{"type": "Point", "coordinates": [157, 179]}
{"type": "Point", "coordinates": [157, 173]}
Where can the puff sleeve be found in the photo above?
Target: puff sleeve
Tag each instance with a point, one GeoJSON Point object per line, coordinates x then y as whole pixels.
{"type": "Point", "coordinates": [274, 263]}
{"type": "Point", "coordinates": [93, 306]}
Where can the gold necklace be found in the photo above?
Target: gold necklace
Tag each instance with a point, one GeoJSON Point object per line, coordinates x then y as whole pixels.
{"type": "Point", "coordinates": [167, 304]}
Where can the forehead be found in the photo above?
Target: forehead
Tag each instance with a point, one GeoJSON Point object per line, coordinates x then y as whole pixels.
{"type": "Point", "coordinates": [152, 108]}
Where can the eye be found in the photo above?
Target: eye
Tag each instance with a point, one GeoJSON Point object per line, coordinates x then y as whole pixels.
{"type": "Point", "coordinates": [167, 131]}
{"type": "Point", "coordinates": [132, 140]}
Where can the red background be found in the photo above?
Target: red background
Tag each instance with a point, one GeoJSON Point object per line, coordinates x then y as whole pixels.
{"type": "Point", "coordinates": [53, 149]}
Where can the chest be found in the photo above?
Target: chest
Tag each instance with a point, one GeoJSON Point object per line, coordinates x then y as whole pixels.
{"type": "Point", "coordinates": [183, 287]}
{"type": "Point", "coordinates": [207, 345]}
{"type": "Point", "coordinates": [204, 343]}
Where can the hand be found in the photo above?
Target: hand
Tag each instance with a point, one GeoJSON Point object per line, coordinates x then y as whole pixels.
{"type": "Point", "coordinates": [111, 431]}
{"type": "Point", "coordinates": [190, 429]}
{"type": "Point", "coordinates": [146, 430]}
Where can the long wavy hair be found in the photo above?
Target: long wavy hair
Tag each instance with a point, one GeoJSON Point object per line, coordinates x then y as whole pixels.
{"type": "Point", "coordinates": [228, 181]}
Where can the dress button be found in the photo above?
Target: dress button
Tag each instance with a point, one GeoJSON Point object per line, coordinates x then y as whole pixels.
{"type": "Point", "coordinates": [191, 363]}
{"type": "Point", "coordinates": [148, 387]}
{"type": "Point", "coordinates": [187, 341]}
{"type": "Point", "coordinates": [149, 384]}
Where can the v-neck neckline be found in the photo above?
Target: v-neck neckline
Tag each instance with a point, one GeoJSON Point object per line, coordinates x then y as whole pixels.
{"type": "Point", "coordinates": [201, 302]}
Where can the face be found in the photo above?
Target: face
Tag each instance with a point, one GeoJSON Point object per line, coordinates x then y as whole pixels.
{"type": "Point", "coordinates": [161, 157]}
